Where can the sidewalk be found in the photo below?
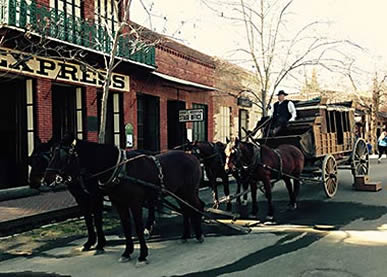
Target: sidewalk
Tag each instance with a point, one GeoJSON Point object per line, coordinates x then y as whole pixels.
{"type": "Point", "coordinates": [38, 208]}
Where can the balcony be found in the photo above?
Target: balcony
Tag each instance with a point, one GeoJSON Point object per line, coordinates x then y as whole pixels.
{"type": "Point", "coordinates": [54, 24]}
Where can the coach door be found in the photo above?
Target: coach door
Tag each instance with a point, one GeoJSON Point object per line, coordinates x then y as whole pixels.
{"type": "Point", "coordinates": [176, 130]}
{"type": "Point", "coordinates": [13, 132]}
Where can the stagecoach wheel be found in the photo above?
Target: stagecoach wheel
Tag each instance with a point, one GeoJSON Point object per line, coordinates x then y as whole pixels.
{"type": "Point", "coordinates": [360, 162]}
{"type": "Point", "coordinates": [329, 176]}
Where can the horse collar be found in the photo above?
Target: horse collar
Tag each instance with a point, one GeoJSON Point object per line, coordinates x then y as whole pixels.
{"type": "Point", "coordinates": [256, 159]}
{"type": "Point", "coordinates": [280, 163]}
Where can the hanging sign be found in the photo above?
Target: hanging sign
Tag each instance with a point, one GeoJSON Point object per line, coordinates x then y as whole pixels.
{"type": "Point", "coordinates": [191, 115]}
{"type": "Point", "coordinates": [28, 64]}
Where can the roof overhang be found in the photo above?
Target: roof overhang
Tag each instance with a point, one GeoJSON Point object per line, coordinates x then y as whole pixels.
{"type": "Point", "coordinates": [181, 81]}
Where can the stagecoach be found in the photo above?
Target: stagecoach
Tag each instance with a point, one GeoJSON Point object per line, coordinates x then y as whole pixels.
{"type": "Point", "coordinates": [325, 133]}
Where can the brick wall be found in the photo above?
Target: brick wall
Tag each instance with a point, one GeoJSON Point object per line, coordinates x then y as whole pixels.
{"type": "Point", "coordinates": [165, 91]}
{"type": "Point", "coordinates": [43, 109]}
{"type": "Point", "coordinates": [174, 64]}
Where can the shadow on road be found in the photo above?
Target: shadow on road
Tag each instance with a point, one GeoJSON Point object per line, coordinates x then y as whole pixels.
{"type": "Point", "coordinates": [310, 212]}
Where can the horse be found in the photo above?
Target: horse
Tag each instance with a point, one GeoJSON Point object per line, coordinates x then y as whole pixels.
{"type": "Point", "coordinates": [213, 158]}
{"type": "Point", "coordinates": [262, 163]}
{"type": "Point", "coordinates": [125, 177]}
{"type": "Point", "coordinates": [88, 198]}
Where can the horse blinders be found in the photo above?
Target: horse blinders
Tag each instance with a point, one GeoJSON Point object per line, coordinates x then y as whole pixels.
{"type": "Point", "coordinates": [62, 165]}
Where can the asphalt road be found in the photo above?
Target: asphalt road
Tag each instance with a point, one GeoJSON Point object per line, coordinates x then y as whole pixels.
{"type": "Point", "coordinates": [354, 245]}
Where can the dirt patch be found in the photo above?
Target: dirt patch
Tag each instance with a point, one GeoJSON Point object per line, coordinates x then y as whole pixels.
{"type": "Point", "coordinates": [50, 236]}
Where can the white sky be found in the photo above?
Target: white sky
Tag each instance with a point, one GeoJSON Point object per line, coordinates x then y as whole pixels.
{"type": "Point", "coordinates": [196, 25]}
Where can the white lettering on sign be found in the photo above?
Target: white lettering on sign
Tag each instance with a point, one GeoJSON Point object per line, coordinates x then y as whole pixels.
{"type": "Point", "coordinates": [191, 115]}
{"type": "Point", "coordinates": [25, 63]}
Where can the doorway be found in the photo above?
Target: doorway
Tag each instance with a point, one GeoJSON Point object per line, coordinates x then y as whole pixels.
{"type": "Point", "coordinates": [148, 122]}
{"type": "Point", "coordinates": [13, 133]}
{"type": "Point", "coordinates": [63, 111]}
{"type": "Point", "coordinates": [177, 132]}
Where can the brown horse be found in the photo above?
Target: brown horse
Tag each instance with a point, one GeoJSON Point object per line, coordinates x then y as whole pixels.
{"type": "Point", "coordinates": [123, 177]}
{"type": "Point", "coordinates": [261, 163]}
{"type": "Point", "coordinates": [213, 158]}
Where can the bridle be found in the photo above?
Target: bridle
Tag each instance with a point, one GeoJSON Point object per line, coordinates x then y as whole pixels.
{"type": "Point", "coordinates": [66, 156]}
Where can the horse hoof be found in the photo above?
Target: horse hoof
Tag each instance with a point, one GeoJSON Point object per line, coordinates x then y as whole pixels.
{"type": "Point", "coordinates": [292, 207]}
{"type": "Point", "coordinates": [201, 239]}
{"type": "Point", "coordinates": [123, 259]}
{"type": "Point", "coordinates": [183, 240]}
{"type": "Point", "coordinates": [269, 220]}
{"type": "Point", "coordinates": [85, 248]}
{"type": "Point", "coordinates": [141, 263]}
{"type": "Point", "coordinates": [99, 252]}
{"type": "Point", "coordinates": [147, 233]}
{"type": "Point", "coordinates": [244, 202]}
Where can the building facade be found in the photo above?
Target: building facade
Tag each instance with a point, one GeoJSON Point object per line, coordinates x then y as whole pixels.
{"type": "Point", "coordinates": [51, 73]}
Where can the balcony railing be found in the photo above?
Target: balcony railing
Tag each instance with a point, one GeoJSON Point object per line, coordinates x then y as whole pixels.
{"type": "Point", "coordinates": [52, 23]}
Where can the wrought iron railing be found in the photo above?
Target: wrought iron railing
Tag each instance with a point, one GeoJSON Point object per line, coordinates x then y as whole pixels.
{"type": "Point", "coordinates": [50, 22]}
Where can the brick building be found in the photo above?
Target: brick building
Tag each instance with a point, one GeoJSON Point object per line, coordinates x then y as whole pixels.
{"type": "Point", "coordinates": [235, 107]}
{"type": "Point", "coordinates": [47, 92]}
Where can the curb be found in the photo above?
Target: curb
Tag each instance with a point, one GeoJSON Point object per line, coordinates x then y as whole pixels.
{"type": "Point", "coordinates": [27, 223]}
{"type": "Point", "coordinates": [19, 192]}
{"type": "Point", "coordinates": [24, 191]}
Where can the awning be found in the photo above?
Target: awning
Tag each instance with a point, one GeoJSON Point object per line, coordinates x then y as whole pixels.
{"type": "Point", "coordinates": [181, 81]}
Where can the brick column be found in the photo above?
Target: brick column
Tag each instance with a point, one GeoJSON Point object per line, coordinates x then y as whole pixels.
{"type": "Point", "coordinates": [210, 119]}
{"type": "Point", "coordinates": [44, 109]}
{"type": "Point", "coordinates": [163, 124]}
{"type": "Point", "coordinates": [91, 111]}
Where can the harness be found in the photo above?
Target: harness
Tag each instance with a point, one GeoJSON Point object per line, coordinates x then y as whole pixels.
{"type": "Point", "coordinates": [160, 169]}
{"type": "Point", "coordinates": [257, 161]}
{"type": "Point", "coordinates": [118, 169]}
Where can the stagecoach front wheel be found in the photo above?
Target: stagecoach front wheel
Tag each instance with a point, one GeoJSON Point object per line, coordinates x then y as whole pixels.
{"type": "Point", "coordinates": [329, 176]}
{"type": "Point", "coordinates": [360, 161]}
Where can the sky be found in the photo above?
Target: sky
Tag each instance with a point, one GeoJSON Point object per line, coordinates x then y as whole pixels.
{"type": "Point", "coordinates": [199, 25]}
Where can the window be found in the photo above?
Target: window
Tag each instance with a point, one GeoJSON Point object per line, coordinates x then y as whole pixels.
{"type": "Point", "coordinates": [199, 131]}
{"type": "Point", "coordinates": [30, 116]}
{"type": "Point", "coordinates": [224, 124]}
{"type": "Point", "coordinates": [79, 112]}
{"type": "Point", "coordinates": [243, 122]}
{"type": "Point", "coordinates": [114, 119]}
{"type": "Point", "coordinates": [107, 14]}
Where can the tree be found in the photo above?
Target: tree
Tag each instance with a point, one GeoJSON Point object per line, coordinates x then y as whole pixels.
{"type": "Point", "coordinates": [275, 51]}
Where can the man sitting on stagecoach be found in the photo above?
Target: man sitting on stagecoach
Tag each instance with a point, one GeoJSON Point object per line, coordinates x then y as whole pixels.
{"type": "Point", "coordinates": [284, 112]}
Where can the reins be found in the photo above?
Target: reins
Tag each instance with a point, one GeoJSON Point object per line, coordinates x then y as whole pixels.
{"type": "Point", "coordinates": [116, 166]}
{"type": "Point", "coordinates": [173, 195]}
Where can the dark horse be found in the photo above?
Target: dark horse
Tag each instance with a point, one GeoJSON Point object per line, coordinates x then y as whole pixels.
{"type": "Point", "coordinates": [87, 197]}
{"type": "Point", "coordinates": [213, 158]}
{"type": "Point", "coordinates": [261, 163]}
{"type": "Point", "coordinates": [124, 177]}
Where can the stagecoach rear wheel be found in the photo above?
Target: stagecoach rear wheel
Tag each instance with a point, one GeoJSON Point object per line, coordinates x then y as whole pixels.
{"type": "Point", "coordinates": [329, 176]}
{"type": "Point", "coordinates": [360, 161]}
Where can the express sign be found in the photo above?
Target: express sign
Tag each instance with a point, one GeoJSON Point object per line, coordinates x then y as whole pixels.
{"type": "Point", "coordinates": [19, 62]}
{"type": "Point", "coordinates": [191, 115]}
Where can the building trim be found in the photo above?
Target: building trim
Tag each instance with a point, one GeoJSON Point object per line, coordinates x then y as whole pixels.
{"type": "Point", "coordinates": [181, 81]}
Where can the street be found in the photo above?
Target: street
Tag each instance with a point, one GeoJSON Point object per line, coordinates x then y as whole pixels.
{"type": "Point", "coordinates": [343, 236]}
